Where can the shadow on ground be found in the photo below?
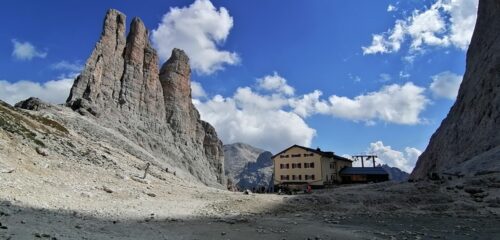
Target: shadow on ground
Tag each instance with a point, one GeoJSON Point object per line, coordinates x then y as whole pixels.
{"type": "Point", "coordinates": [19, 222]}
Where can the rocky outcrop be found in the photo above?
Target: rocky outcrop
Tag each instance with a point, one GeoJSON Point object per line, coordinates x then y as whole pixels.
{"type": "Point", "coordinates": [122, 88]}
{"type": "Point", "coordinates": [468, 140]}
{"type": "Point", "coordinates": [33, 104]}
{"type": "Point", "coordinates": [247, 166]}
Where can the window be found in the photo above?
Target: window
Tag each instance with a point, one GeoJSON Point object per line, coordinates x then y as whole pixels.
{"type": "Point", "coordinates": [287, 177]}
{"type": "Point", "coordinates": [296, 155]}
{"type": "Point", "coordinates": [281, 166]}
{"type": "Point", "coordinates": [306, 165]}
{"type": "Point", "coordinates": [294, 177]}
{"type": "Point", "coordinates": [300, 177]}
{"type": "Point", "coordinates": [309, 177]}
{"type": "Point", "coordinates": [283, 156]}
{"type": "Point", "coordinates": [308, 154]}
{"type": "Point", "coordinates": [287, 166]}
{"type": "Point", "coordinates": [311, 165]}
{"type": "Point", "coordinates": [284, 177]}
{"type": "Point", "coordinates": [299, 165]}
{"type": "Point", "coordinates": [334, 165]}
{"type": "Point", "coordinates": [331, 166]}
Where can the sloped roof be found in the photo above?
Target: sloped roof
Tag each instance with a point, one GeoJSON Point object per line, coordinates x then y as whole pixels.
{"type": "Point", "coordinates": [363, 171]}
{"type": "Point", "coordinates": [317, 151]}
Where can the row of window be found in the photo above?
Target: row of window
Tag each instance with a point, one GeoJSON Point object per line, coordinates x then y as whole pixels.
{"type": "Point", "coordinates": [297, 177]}
{"type": "Point", "coordinates": [333, 165]}
{"type": "Point", "coordinates": [297, 155]}
{"type": "Point", "coordinates": [296, 165]}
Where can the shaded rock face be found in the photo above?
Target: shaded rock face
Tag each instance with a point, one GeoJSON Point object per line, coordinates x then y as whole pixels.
{"type": "Point", "coordinates": [468, 140]}
{"type": "Point", "coordinates": [122, 87]}
{"type": "Point", "coordinates": [395, 174]}
{"type": "Point", "coordinates": [248, 166]}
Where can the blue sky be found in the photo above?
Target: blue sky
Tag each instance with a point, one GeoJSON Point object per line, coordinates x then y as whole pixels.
{"type": "Point", "coordinates": [387, 70]}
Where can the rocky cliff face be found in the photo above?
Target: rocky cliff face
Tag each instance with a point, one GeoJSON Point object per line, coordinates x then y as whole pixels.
{"type": "Point", "coordinates": [468, 140]}
{"type": "Point", "coordinates": [123, 89]}
{"type": "Point", "coordinates": [247, 166]}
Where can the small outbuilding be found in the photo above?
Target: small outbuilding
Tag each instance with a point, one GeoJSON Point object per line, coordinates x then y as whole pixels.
{"type": "Point", "coordinates": [363, 174]}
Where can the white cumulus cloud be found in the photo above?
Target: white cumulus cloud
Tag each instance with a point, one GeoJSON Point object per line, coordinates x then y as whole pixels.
{"type": "Point", "coordinates": [199, 29]}
{"type": "Point", "coordinates": [445, 23]}
{"type": "Point", "coordinates": [404, 160]}
{"type": "Point", "coordinates": [197, 90]}
{"type": "Point", "coordinates": [26, 51]}
{"type": "Point", "coordinates": [445, 85]}
{"type": "Point", "coordinates": [53, 91]}
{"type": "Point", "coordinates": [237, 120]}
{"type": "Point", "coordinates": [400, 104]}
{"type": "Point", "coordinates": [277, 83]}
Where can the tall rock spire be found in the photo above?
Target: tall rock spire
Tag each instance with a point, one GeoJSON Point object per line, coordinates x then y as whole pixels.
{"type": "Point", "coordinates": [468, 140]}
{"type": "Point", "coordinates": [122, 87]}
{"type": "Point", "coordinates": [176, 83]}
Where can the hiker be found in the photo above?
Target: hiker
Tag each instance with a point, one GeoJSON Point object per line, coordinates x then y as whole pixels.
{"type": "Point", "coordinates": [146, 170]}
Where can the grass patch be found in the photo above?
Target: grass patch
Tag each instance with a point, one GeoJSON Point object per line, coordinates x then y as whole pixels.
{"type": "Point", "coordinates": [11, 122]}
{"type": "Point", "coordinates": [51, 123]}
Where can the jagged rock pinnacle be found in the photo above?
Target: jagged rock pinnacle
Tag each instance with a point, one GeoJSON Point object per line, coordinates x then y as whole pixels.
{"type": "Point", "coordinates": [122, 87]}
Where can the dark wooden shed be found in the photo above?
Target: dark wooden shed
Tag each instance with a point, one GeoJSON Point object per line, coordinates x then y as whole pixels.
{"type": "Point", "coordinates": [363, 174]}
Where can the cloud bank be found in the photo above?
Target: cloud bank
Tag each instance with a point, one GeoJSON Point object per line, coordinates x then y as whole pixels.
{"type": "Point", "coordinates": [53, 91]}
{"type": "Point", "coordinates": [400, 104]}
{"type": "Point", "coordinates": [271, 116]}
